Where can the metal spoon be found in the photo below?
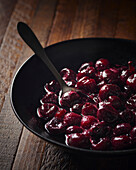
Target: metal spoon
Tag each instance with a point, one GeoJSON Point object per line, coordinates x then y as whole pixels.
{"type": "Point", "coordinates": [31, 40]}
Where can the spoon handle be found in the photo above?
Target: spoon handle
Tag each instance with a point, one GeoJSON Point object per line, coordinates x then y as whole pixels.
{"type": "Point", "coordinates": [31, 40]}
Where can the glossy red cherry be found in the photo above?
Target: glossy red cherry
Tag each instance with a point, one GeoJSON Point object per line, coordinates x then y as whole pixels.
{"type": "Point", "coordinates": [72, 118]}
{"type": "Point", "coordinates": [110, 76]}
{"type": "Point", "coordinates": [99, 130]}
{"type": "Point", "coordinates": [77, 108]}
{"type": "Point", "coordinates": [102, 64]}
{"type": "Point", "coordinates": [50, 98]}
{"type": "Point", "coordinates": [55, 126]}
{"type": "Point", "coordinates": [131, 103]}
{"type": "Point", "coordinates": [115, 102]}
{"type": "Point", "coordinates": [47, 111]}
{"type": "Point", "coordinates": [122, 129]}
{"type": "Point", "coordinates": [120, 142]}
{"type": "Point", "coordinates": [102, 144]}
{"type": "Point", "coordinates": [69, 98]}
{"type": "Point", "coordinates": [87, 85]}
{"type": "Point", "coordinates": [88, 121]}
{"type": "Point", "coordinates": [89, 109]}
{"type": "Point", "coordinates": [77, 140]}
{"type": "Point", "coordinates": [60, 113]}
{"type": "Point", "coordinates": [107, 113]}
{"type": "Point", "coordinates": [53, 86]}
{"type": "Point", "coordinates": [133, 135]}
{"type": "Point", "coordinates": [68, 74]}
{"type": "Point", "coordinates": [85, 65]}
{"type": "Point", "coordinates": [127, 116]}
{"type": "Point", "coordinates": [89, 72]}
{"type": "Point", "coordinates": [131, 81]}
{"type": "Point", "coordinates": [109, 90]}
{"type": "Point", "coordinates": [74, 129]}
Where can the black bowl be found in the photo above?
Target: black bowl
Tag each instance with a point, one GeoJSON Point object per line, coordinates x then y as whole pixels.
{"type": "Point", "coordinates": [28, 84]}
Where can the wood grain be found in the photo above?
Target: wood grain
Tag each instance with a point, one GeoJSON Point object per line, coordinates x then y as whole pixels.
{"type": "Point", "coordinates": [11, 50]}
{"type": "Point", "coordinates": [31, 146]}
{"type": "Point", "coordinates": [6, 8]}
{"type": "Point", "coordinates": [126, 27]}
{"type": "Point", "coordinates": [61, 20]}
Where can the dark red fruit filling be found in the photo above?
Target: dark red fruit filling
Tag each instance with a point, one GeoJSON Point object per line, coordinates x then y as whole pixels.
{"type": "Point", "coordinates": [55, 126]}
{"type": "Point", "coordinates": [121, 142]}
{"type": "Point", "coordinates": [70, 98]}
{"type": "Point", "coordinates": [47, 111]}
{"type": "Point", "coordinates": [78, 140]}
{"type": "Point", "coordinates": [74, 129]}
{"type": "Point", "coordinates": [100, 117]}
{"type": "Point", "coordinates": [89, 109]}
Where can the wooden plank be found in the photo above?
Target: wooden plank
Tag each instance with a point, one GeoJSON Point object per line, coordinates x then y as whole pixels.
{"type": "Point", "coordinates": [11, 50]}
{"type": "Point", "coordinates": [30, 152]}
{"type": "Point", "coordinates": [31, 146]}
{"type": "Point", "coordinates": [62, 25]}
{"type": "Point", "coordinates": [85, 21]}
{"type": "Point", "coordinates": [6, 8]}
{"type": "Point", "coordinates": [107, 19]}
{"type": "Point", "coordinates": [126, 27]}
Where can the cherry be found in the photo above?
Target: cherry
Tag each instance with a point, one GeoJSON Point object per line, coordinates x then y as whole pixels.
{"type": "Point", "coordinates": [102, 144]}
{"type": "Point", "coordinates": [99, 130]}
{"type": "Point", "coordinates": [133, 135]}
{"type": "Point", "coordinates": [89, 72]}
{"type": "Point", "coordinates": [87, 85]}
{"type": "Point", "coordinates": [72, 118]}
{"type": "Point", "coordinates": [127, 90]}
{"type": "Point", "coordinates": [127, 116]}
{"type": "Point", "coordinates": [89, 109]}
{"type": "Point", "coordinates": [127, 72]}
{"type": "Point", "coordinates": [102, 64]}
{"type": "Point", "coordinates": [115, 102]}
{"type": "Point", "coordinates": [107, 113]}
{"type": "Point", "coordinates": [77, 140]}
{"type": "Point", "coordinates": [85, 65]}
{"type": "Point", "coordinates": [74, 129]}
{"type": "Point", "coordinates": [68, 74]}
{"type": "Point", "coordinates": [53, 86]}
{"type": "Point", "coordinates": [131, 81]}
{"type": "Point", "coordinates": [109, 90]}
{"type": "Point", "coordinates": [88, 121]}
{"type": "Point", "coordinates": [131, 103]}
{"type": "Point", "coordinates": [77, 108]}
{"type": "Point", "coordinates": [60, 113]}
{"type": "Point", "coordinates": [55, 126]}
{"type": "Point", "coordinates": [47, 111]}
{"type": "Point", "coordinates": [120, 142]}
{"type": "Point", "coordinates": [50, 98]}
{"type": "Point", "coordinates": [69, 98]}
{"type": "Point", "coordinates": [122, 129]}
{"type": "Point", "coordinates": [110, 76]}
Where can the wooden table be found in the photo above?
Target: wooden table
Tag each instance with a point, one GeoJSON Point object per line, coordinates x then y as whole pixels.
{"type": "Point", "coordinates": [52, 21]}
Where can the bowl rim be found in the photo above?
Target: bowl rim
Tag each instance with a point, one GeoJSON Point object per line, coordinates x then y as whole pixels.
{"type": "Point", "coordinates": [86, 151]}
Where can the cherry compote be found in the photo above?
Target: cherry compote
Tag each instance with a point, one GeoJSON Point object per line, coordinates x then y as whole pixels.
{"type": "Point", "coordinates": [102, 119]}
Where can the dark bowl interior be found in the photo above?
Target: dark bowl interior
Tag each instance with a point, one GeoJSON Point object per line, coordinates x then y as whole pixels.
{"type": "Point", "coordinates": [28, 84]}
